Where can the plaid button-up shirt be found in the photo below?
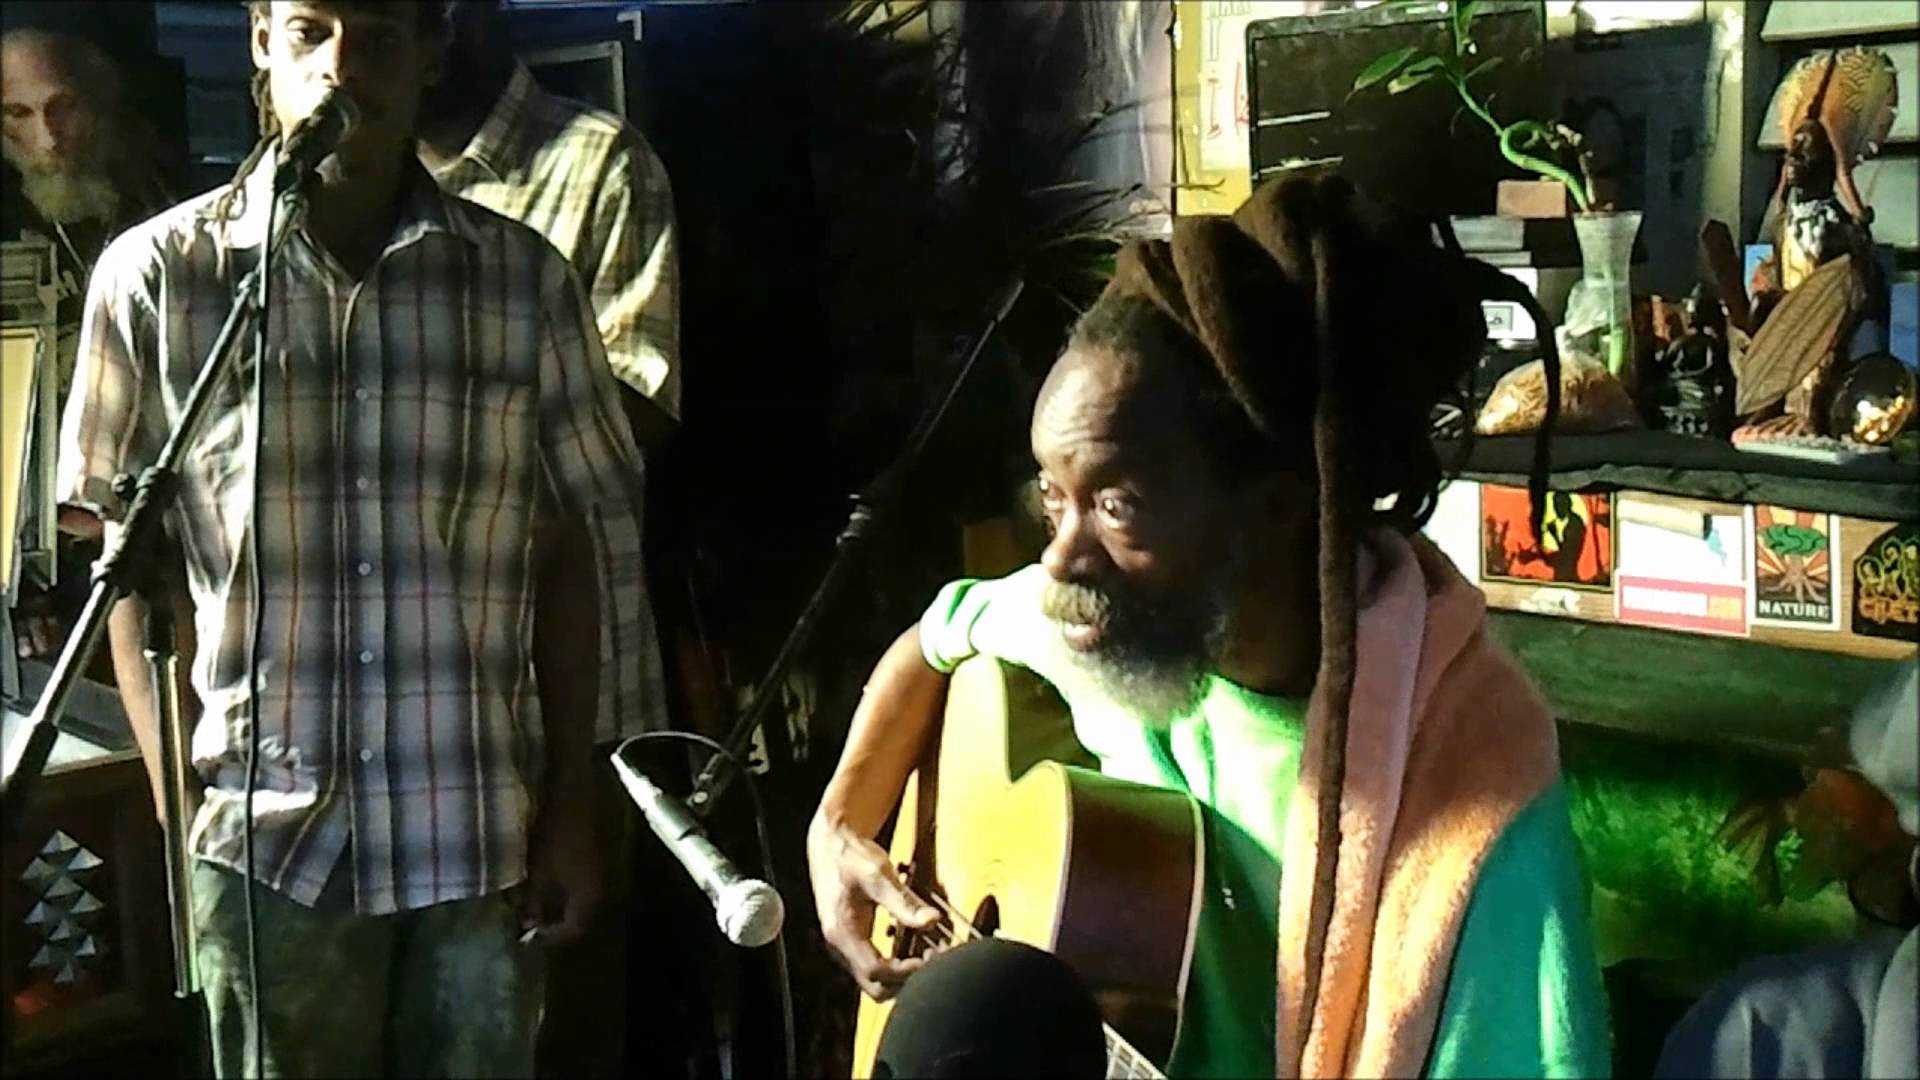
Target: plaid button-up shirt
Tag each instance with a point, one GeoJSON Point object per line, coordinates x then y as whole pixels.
{"type": "Point", "coordinates": [411, 428]}
{"type": "Point", "coordinates": [589, 183]}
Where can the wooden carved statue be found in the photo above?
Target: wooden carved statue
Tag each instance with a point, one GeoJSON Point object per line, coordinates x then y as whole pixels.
{"type": "Point", "coordinates": [1836, 108]}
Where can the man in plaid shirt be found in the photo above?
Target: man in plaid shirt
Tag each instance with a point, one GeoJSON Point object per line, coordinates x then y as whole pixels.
{"type": "Point", "coordinates": [364, 520]}
{"type": "Point", "coordinates": [588, 183]}
{"type": "Point", "coordinates": [591, 185]}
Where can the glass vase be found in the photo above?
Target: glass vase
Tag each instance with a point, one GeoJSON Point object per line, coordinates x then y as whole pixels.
{"type": "Point", "coordinates": [1606, 259]}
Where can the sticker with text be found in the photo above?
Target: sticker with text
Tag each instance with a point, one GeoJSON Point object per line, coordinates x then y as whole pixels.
{"type": "Point", "coordinates": [1793, 564]}
{"type": "Point", "coordinates": [1694, 606]}
{"type": "Point", "coordinates": [1886, 586]}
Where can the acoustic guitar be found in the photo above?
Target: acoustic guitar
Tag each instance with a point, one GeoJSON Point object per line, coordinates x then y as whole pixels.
{"type": "Point", "coordinates": [1007, 830]}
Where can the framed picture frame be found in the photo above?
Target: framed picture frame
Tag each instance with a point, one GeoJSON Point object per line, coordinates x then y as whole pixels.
{"type": "Point", "coordinates": [1578, 551]}
{"type": "Point", "coordinates": [29, 412]}
{"type": "Point", "coordinates": [594, 72]}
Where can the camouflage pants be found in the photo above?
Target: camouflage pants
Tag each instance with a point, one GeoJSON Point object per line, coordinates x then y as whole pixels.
{"type": "Point", "coordinates": [446, 991]}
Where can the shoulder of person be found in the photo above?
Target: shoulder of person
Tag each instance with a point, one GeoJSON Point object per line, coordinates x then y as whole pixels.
{"type": "Point", "coordinates": [576, 119]}
{"type": "Point", "coordinates": [148, 245]}
{"type": "Point", "coordinates": [489, 228]}
{"type": "Point", "coordinates": [1800, 1003]}
{"type": "Point", "coordinates": [1000, 617]}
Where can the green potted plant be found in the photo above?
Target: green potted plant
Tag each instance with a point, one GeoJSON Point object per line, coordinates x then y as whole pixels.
{"type": "Point", "coordinates": [1605, 235]}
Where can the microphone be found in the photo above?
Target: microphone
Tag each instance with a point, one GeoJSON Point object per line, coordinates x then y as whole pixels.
{"type": "Point", "coordinates": [748, 911]}
{"type": "Point", "coordinates": [312, 139]}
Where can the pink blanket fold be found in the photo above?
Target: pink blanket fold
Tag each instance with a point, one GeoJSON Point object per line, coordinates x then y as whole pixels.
{"type": "Point", "coordinates": [1446, 743]}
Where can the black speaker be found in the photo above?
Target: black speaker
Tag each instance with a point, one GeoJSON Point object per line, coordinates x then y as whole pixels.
{"type": "Point", "coordinates": [1420, 148]}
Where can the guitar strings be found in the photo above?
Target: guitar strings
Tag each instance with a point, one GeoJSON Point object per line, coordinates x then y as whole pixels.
{"type": "Point", "coordinates": [944, 933]}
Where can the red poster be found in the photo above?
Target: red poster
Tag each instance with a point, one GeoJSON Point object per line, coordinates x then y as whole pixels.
{"type": "Point", "coordinates": [1576, 548]}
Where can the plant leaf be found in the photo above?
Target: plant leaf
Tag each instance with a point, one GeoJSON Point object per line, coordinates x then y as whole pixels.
{"type": "Point", "coordinates": [1416, 73]}
{"type": "Point", "coordinates": [1787, 540]}
{"type": "Point", "coordinates": [1462, 22]}
{"type": "Point", "coordinates": [1404, 83]}
{"type": "Point", "coordinates": [1486, 65]}
{"type": "Point", "coordinates": [1383, 66]}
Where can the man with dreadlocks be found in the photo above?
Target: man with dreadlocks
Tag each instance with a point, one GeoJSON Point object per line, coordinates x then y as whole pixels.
{"type": "Point", "coordinates": [368, 519]}
{"type": "Point", "coordinates": [1236, 603]}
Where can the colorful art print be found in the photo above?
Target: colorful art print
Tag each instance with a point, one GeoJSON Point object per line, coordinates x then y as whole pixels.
{"type": "Point", "coordinates": [1575, 548]}
{"type": "Point", "coordinates": [1793, 556]}
{"type": "Point", "coordinates": [1886, 585]}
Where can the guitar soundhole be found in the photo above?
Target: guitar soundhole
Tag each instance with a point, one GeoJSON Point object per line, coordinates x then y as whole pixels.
{"type": "Point", "coordinates": [986, 917]}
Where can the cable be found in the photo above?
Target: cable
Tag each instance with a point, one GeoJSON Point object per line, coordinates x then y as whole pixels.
{"type": "Point", "coordinates": [766, 862]}
{"type": "Point", "coordinates": [254, 1010]}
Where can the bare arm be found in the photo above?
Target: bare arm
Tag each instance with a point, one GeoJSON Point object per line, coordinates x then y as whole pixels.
{"type": "Point", "coordinates": [566, 655]}
{"type": "Point", "coordinates": [566, 663]}
{"type": "Point", "coordinates": [126, 641]}
{"type": "Point", "coordinates": [126, 637]}
{"type": "Point", "coordinates": [896, 718]}
{"type": "Point", "coordinates": [851, 874]}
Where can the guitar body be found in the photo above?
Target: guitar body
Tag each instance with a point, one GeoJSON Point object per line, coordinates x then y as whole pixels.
{"type": "Point", "coordinates": [1021, 839]}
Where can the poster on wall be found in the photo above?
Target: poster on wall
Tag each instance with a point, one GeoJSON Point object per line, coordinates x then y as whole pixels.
{"type": "Point", "coordinates": [1793, 579]}
{"type": "Point", "coordinates": [1681, 565]}
{"type": "Point", "coordinates": [1886, 585]}
{"type": "Point", "coordinates": [18, 350]}
{"type": "Point", "coordinates": [1574, 550]}
{"type": "Point", "coordinates": [1223, 112]}
{"type": "Point", "coordinates": [1672, 604]}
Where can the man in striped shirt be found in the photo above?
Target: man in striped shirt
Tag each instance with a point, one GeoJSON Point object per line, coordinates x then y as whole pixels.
{"type": "Point", "coordinates": [592, 186]}
{"type": "Point", "coordinates": [364, 519]}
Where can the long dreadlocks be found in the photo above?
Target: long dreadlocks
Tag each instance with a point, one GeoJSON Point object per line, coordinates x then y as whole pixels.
{"type": "Point", "coordinates": [1396, 329]}
{"type": "Point", "coordinates": [432, 15]}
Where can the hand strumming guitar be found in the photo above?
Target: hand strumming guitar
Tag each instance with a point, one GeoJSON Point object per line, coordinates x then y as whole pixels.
{"type": "Point", "coordinates": [851, 874]}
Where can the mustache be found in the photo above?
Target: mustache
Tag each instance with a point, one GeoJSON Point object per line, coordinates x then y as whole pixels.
{"type": "Point", "coordinates": [1070, 602]}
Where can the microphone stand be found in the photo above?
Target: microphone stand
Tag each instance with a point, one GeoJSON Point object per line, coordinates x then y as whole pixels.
{"type": "Point", "coordinates": [127, 568]}
{"type": "Point", "coordinates": [163, 676]}
{"type": "Point", "coordinates": [869, 505]}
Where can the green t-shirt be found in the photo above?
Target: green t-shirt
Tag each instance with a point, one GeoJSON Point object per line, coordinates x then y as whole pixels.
{"type": "Point", "coordinates": [1525, 996]}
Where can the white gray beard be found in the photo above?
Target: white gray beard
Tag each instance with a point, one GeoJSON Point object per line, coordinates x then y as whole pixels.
{"type": "Point", "coordinates": [64, 198]}
{"type": "Point", "coordinates": [1155, 689]}
{"type": "Point", "coordinates": [1156, 694]}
